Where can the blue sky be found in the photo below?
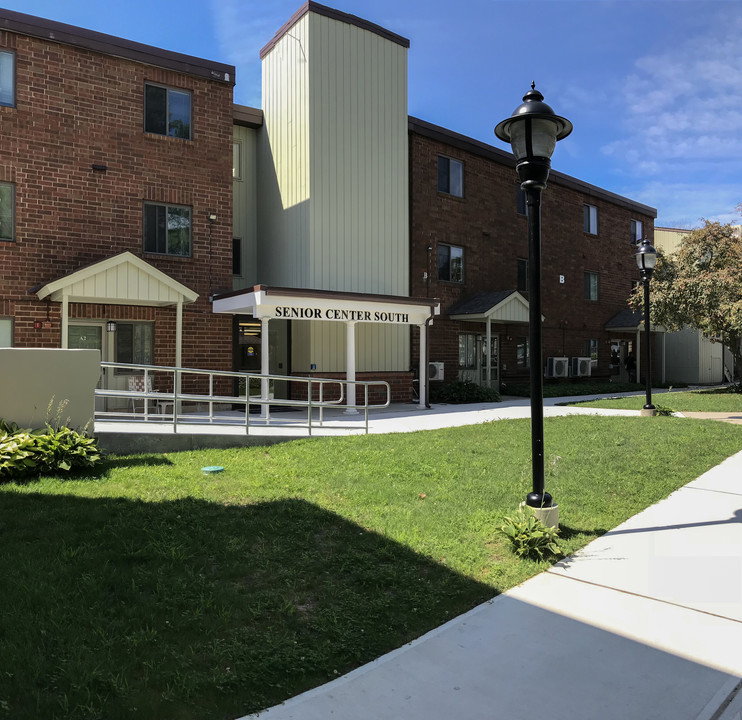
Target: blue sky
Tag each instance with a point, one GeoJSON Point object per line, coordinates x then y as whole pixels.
{"type": "Point", "coordinates": [653, 87]}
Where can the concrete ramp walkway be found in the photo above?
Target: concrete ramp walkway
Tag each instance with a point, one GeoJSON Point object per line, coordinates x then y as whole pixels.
{"type": "Point", "coordinates": [645, 623]}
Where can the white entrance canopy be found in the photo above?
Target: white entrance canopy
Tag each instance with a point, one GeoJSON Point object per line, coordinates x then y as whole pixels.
{"type": "Point", "coordinates": [123, 279]}
{"type": "Point", "coordinates": [276, 303]}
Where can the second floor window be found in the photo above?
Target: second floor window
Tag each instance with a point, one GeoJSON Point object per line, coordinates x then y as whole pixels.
{"type": "Point", "coordinates": [7, 211]}
{"type": "Point", "coordinates": [450, 176]}
{"type": "Point", "coordinates": [636, 231]}
{"type": "Point", "coordinates": [591, 286]}
{"type": "Point", "coordinates": [590, 219]}
{"type": "Point", "coordinates": [167, 229]}
{"type": "Point", "coordinates": [450, 263]}
{"type": "Point", "coordinates": [167, 111]}
{"type": "Point", "coordinates": [7, 78]}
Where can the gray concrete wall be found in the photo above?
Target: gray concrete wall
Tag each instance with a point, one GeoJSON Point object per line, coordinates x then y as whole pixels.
{"type": "Point", "coordinates": [48, 385]}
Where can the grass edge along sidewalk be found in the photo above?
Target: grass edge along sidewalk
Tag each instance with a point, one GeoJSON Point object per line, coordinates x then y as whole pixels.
{"type": "Point", "coordinates": [708, 400]}
{"type": "Point", "coordinates": [153, 590]}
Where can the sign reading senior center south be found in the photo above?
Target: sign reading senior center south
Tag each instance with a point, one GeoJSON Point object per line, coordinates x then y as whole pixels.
{"type": "Point", "coordinates": [306, 313]}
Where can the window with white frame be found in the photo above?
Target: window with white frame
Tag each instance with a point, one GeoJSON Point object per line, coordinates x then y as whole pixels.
{"type": "Point", "coordinates": [135, 343]}
{"type": "Point", "coordinates": [591, 286]}
{"type": "Point", "coordinates": [522, 353]}
{"type": "Point", "coordinates": [450, 263]}
{"type": "Point", "coordinates": [590, 219]}
{"type": "Point", "coordinates": [450, 176]}
{"type": "Point", "coordinates": [167, 229]}
{"type": "Point", "coordinates": [7, 211]}
{"type": "Point", "coordinates": [6, 332]}
{"type": "Point", "coordinates": [7, 78]}
{"type": "Point", "coordinates": [167, 111]}
{"type": "Point", "coordinates": [591, 351]}
{"type": "Point", "coordinates": [636, 232]}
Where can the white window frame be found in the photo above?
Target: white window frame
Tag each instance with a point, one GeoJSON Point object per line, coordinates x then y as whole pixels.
{"type": "Point", "coordinates": [452, 181]}
{"type": "Point", "coordinates": [168, 92]}
{"type": "Point", "coordinates": [236, 160]}
{"type": "Point", "coordinates": [460, 253]}
{"type": "Point", "coordinates": [168, 207]}
{"type": "Point", "coordinates": [637, 231]}
{"type": "Point", "coordinates": [10, 54]}
{"type": "Point", "coordinates": [590, 219]}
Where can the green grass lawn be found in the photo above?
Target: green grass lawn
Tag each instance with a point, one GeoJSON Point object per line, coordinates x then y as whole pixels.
{"type": "Point", "coordinates": [152, 590]}
{"type": "Point", "coordinates": [715, 400]}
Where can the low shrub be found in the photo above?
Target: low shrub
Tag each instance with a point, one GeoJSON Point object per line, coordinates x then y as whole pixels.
{"type": "Point", "coordinates": [529, 537]}
{"type": "Point", "coordinates": [47, 450]}
{"type": "Point", "coordinates": [462, 392]}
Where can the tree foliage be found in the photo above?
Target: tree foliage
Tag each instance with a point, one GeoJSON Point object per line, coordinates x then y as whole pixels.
{"type": "Point", "coordinates": [700, 286]}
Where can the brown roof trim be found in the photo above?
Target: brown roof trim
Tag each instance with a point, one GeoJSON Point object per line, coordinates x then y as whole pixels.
{"type": "Point", "coordinates": [333, 14]}
{"type": "Point", "coordinates": [110, 45]}
{"type": "Point", "coordinates": [449, 137]}
{"type": "Point", "coordinates": [247, 116]}
{"type": "Point", "coordinates": [332, 295]}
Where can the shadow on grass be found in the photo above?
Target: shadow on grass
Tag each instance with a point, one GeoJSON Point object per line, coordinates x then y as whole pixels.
{"type": "Point", "coordinates": [116, 608]}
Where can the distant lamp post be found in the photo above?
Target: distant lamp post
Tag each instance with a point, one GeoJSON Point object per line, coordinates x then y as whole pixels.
{"type": "Point", "coordinates": [646, 258]}
{"type": "Point", "coordinates": [533, 130]}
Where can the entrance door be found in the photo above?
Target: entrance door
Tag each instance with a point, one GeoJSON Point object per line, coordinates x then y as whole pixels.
{"type": "Point", "coordinates": [473, 359]}
{"type": "Point", "coordinates": [620, 351]}
{"type": "Point", "coordinates": [91, 336]}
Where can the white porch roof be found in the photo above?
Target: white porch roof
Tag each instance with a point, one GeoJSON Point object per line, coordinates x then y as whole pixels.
{"type": "Point", "coordinates": [123, 279]}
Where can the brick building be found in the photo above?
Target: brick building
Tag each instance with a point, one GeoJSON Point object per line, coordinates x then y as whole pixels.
{"type": "Point", "coordinates": [469, 247]}
{"type": "Point", "coordinates": [115, 195]}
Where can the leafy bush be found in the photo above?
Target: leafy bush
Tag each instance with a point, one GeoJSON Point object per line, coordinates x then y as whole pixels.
{"type": "Point", "coordinates": [663, 410]}
{"type": "Point", "coordinates": [463, 392]}
{"type": "Point", "coordinates": [43, 451]}
{"type": "Point", "coordinates": [530, 537]}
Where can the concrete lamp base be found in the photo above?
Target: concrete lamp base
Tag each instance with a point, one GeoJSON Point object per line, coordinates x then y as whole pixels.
{"type": "Point", "coordinates": [649, 412]}
{"type": "Point", "coordinates": [549, 516]}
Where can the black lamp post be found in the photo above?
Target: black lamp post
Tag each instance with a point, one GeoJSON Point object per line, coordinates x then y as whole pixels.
{"type": "Point", "coordinates": [646, 258]}
{"type": "Point", "coordinates": [533, 130]}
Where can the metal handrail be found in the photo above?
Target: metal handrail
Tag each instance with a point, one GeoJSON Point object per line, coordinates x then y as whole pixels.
{"type": "Point", "coordinates": [177, 397]}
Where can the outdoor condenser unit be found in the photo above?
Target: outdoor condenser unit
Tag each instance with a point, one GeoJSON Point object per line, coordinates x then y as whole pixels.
{"type": "Point", "coordinates": [580, 366]}
{"type": "Point", "coordinates": [435, 371]}
{"type": "Point", "coordinates": [557, 367]}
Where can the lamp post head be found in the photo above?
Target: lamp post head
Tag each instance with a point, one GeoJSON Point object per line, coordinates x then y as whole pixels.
{"type": "Point", "coordinates": [533, 130]}
{"type": "Point", "coordinates": [646, 259]}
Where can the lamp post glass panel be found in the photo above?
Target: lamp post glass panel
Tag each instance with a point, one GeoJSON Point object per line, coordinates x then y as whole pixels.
{"type": "Point", "coordinates": [533, 130]}
{"type": "Point", "coordinates": [646, 258]}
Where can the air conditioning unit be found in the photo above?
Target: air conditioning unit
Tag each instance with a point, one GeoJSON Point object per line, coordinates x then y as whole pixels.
{"type": "Point", "coordinates": [435, 371]}
{"type": "Point", "coordinates": [580, 366]}
{"type": "Point", "coordinates": [557, 367]}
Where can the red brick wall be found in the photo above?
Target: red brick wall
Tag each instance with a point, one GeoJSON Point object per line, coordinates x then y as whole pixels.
{"type": "Point", "coordinates": [486, 224]}
{"type": "Point", "coordinates": [76, 107]}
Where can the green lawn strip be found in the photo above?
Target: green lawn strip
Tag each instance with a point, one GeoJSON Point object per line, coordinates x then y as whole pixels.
{"type": "Point", "coordinates": [715, 400]}
{"type": "Point", "coordinates": [153, 590]}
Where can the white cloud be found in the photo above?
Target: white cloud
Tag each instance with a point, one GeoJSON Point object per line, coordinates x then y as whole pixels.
{"type": "Point", "coordinates": [683, 107]}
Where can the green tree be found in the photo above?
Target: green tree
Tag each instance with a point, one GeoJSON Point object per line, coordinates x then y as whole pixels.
{"type": "Point", "coordinates": [700, 286]}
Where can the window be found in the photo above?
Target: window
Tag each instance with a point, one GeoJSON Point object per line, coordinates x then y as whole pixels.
{"type": "Point", "coordinates": [590, 219]}
{"type": "Point", "coordinates": [167, 111]}
{"type": "Point", "coordinates": [237, 160]}
{"type": "Point", "coordinates": [522, 275]}
{"type": "Point", "coordinates": [135, 343]}
{"type": "Point", "coordinates": [522, 353]}
{"type": "Point", "coordinates": [591, 351]}
{"type": "Point", "coordinates": [520, 201]}
{"type": "Point", "coordinates": [7, 211]}
{"type": "Point", "coordinates": [636, 232]}
{"type": "Point", "coordinates": [467, 351]}
{"type": "Point", "coordinates": [167, 229]}
{"type": "Point", "coordinates": [6, 332]}
{"type": "Point", "coordinates": [450, 176]}
{"type": "Point", "coordinates": [450, 263]}
{"type": "Point", "coordinates": [236, 256]}
{"type": "Point", "coordinates": [591, 286]}
{"type": "Point", "coordinates": [7, 78]}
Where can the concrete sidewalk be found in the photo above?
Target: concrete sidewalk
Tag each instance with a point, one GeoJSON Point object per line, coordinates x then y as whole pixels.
{"type": "Point", "coordinates": [644, 623]}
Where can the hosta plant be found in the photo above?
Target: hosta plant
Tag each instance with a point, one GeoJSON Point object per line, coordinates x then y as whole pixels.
{"type": "Point", "coordinates": [529, 537]}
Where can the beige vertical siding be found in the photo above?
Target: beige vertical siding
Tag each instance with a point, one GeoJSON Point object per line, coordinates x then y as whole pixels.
{"type": "Point", "coordinates": [333, 195]}
{"type": "Point", "coordinates": [245, 204]}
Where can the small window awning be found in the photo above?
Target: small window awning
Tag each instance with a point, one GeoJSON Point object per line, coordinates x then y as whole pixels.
{"type": "Point", "coordinates": [630, 321]}
{"type": "Point", "coordinates": [506, 306]}
{"type": "Point", "coordinates": [123, 279]}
